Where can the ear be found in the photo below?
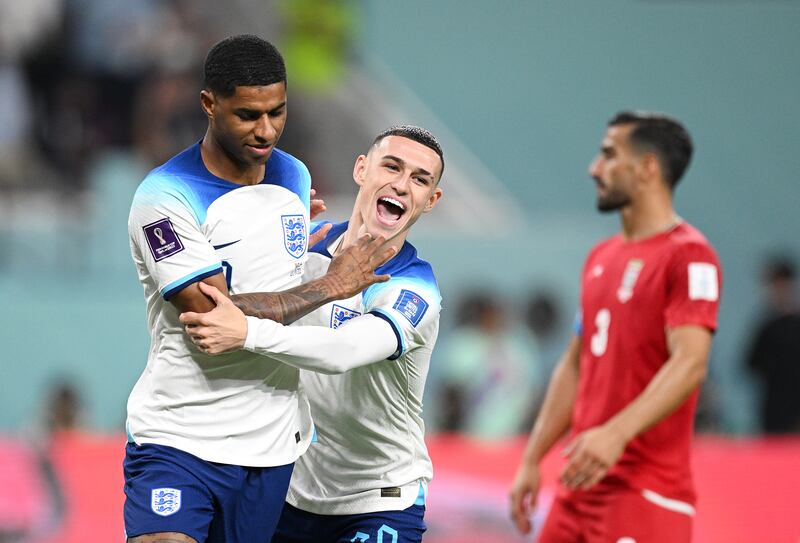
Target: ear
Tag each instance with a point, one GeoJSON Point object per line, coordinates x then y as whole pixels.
{"type": "Point", "coordinates": [652, 166]}
{"type": "Point", "coordinates": [207, 103]}
{"type": "Point", "coordinates": [359, 170]}
{"type": "Point", "coordinates": [433, 200]}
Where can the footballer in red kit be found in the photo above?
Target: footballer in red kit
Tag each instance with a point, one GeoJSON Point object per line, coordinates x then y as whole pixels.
{"type": "Point", "coordinates": [631, 293]}
{"type": "Point", "coordinates": [625, 390]}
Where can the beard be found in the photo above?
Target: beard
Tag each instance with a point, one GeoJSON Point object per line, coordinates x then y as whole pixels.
{"type": "Point", "coordinates": [612, 201]}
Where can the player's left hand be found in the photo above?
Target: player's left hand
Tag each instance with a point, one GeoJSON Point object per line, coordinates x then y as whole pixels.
{"type": "Point", "coordinates": [591, 454]}
{"type": "Point", "coordinates": [319, 235]}
{"type": "Point", "coordinates": [317, 205]}
{"type": "Point", "coordinates": [221, 330]}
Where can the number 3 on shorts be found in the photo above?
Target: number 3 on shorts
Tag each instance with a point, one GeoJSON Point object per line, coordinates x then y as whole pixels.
{"type": "Point", "coordinates": [386, 530]}
{"type": "Point", "coordinates": [599, 341]}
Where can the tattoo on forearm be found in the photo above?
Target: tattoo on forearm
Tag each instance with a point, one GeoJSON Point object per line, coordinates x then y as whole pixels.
{"type": "Point", "coordinates": [284, 307]}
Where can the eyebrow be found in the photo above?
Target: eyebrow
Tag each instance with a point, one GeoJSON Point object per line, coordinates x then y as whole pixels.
{"type": "Point", "coordinates": [402, 162]}
{"type": "Point", "coordinates": [258, 111]}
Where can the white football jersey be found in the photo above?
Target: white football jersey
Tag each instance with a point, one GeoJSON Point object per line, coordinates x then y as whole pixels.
{"type": "Point", "coordinates": [187, 224]}
{"type": "Point", "coordinates": [369, 453]}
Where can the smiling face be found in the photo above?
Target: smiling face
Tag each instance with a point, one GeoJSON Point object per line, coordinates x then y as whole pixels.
{"type": "Point", "coordinates": [398, 182]}
{"type": "Point", "coordinates": [246, 125]}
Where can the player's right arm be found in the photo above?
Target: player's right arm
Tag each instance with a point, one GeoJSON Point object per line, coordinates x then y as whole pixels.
{"type": "Point", "coordinates": [551, 424]}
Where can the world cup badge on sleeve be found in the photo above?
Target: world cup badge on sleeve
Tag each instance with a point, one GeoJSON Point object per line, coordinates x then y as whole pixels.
{"type": "Point", "coordinates": [162, 239]}
{"type": "Point", "coordinates": [165, 501]}
{"type": "Point", "coordinates": [294, 234]}
{"type": "Point", "coordinates": [411, 306]}
{"type": "Point", "coordinates": [340, 314]}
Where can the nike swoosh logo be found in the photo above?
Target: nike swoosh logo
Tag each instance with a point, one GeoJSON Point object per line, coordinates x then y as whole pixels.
{"type": "Point", "coordinates": [217, 247]}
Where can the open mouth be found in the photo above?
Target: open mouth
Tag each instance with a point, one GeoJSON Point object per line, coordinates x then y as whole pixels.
{"type": "Point", "coordinates": [390, 210]}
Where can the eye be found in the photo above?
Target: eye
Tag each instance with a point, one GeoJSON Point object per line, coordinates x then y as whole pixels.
{"type": "Point", "coordinates": [392, 167]}
{"type": "Point", "coordinates": [247, 115]}
{"type": "Point", "coordinates": [422, 180]}
{"type": "Point", "coordinates": [277, 112]}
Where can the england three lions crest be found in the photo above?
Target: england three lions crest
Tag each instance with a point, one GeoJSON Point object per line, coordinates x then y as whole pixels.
{"type": "Point", "coordinates": [295, 237]}
{"type": "Point", "coordinates": [165, 501]}
{"type": "Point", "coordinates": [340, 314]}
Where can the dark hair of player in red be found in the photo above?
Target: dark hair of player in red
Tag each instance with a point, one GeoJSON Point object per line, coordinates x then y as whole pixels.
{"type": "Point", "coordinates": [662, 135]}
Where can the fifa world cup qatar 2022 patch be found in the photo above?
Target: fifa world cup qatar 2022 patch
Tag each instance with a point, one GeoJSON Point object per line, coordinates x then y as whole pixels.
{"type": "Point", "coordinates": [411, 306]}
{"type": "Point", "coordinates": [165, 501]}
{"type": "Point", "coordinates": [703, 282]}
{"type": "Point", "coordinates": [162, 239]}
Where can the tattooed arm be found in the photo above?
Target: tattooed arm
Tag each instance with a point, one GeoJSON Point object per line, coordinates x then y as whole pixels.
{"type": "Point", "coordinates": [348, 274]}
{"type": "Point", "coordinates": [287, 306]}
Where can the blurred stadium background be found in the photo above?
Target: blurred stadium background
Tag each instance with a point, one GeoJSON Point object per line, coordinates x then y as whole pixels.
{"type": "Point", "coordinates": [93, 93]}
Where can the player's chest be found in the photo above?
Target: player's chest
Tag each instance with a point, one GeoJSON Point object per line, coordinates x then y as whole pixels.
{"type": "Point", "coordinates": [627, 281]}
{"type": "Point", "coordinates": [336, 313]}
{"type": "Point", "coordinates": [261, 236]}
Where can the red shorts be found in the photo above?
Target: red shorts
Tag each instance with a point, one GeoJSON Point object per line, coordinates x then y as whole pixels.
{"type": "Point", "coordinates": [618, 515]}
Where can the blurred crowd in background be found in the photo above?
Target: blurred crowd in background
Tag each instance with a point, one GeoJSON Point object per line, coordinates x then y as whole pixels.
{"type": "Point", "coordinates": [82, 77]}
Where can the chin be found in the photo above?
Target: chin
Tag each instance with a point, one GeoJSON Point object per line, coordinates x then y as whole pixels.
{"type": "Point", "coordinates": [388, 232]}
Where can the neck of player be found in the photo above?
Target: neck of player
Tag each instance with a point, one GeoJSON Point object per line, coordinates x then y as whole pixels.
{"type": "Point", "coordinates": [220, 163]}
{"type": "Point", "coordinates": [648, 217]}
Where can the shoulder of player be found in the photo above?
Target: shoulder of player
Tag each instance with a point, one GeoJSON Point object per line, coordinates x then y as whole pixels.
{"type": "Point", "coordinates": [407, 265]}
{"type": "Point", "coordinates": [688, 246]}
{"type": "Point", "coordinates": [287, 162]}
{"type": "Point", "coordinates": [600, 246]}
{"type": "Point", "coordinates": [177, 175]}
{"type": "Point", "coordinates": [687, 240]}
{"type": "Point", "coordinates": [410, 274]}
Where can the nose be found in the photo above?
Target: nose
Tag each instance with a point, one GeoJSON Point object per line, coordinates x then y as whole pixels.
{"type": "Point", "coordinates": [595, 167]}
{"type": "Point", "coordinates": [400, 183]}
{"type": "Point", "coordinates": [264, 131]}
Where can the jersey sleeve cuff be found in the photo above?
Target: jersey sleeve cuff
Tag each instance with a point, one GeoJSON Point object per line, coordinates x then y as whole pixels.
{"type": "Point", "coordinates": [398, 332]}
{"type": "Point", "coordinates": [710, 325]}
{"type": "Point", "coordinates": [259, 335]}
{"type": "Point", "coordinates": [194, 277]}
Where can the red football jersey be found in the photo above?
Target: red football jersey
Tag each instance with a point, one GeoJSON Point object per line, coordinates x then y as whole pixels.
{"type": "Point", "coordinates": [632, 292]}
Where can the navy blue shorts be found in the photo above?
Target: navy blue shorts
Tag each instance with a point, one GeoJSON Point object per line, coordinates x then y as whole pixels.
{"type": "Point", "coordinates": [297, 526]}
{"type": "Point", "coordinates": [168, 490]}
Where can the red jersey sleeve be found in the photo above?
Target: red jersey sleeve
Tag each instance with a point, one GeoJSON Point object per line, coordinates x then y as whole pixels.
{"type": "Point", "coordinates": [694, 286]}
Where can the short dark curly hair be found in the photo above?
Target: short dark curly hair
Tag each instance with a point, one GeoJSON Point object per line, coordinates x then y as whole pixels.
{"type": "Point", "coordinates": [414, 133]}
{"type": "Point", "coordinates": [244, 60]}
{"type": "Point", "coordinates": [664, 136]}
